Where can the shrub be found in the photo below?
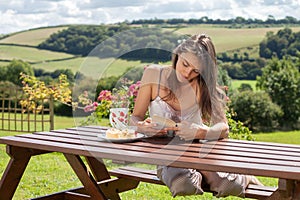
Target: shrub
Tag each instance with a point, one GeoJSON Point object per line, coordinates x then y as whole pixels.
{"type": "Point", "coordinates": [281, 80]}
{"type": "Point", "coordinates": [237, 129]}
{"type": "Point", "coordinates": [256, 110]}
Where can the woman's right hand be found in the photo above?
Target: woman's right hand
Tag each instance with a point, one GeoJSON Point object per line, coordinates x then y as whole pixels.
{"type": "Point", "coordinates": [149, 128]}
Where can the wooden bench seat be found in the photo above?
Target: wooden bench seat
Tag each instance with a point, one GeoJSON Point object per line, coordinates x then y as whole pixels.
{"type": "Point", "coordinates": [149, 176]}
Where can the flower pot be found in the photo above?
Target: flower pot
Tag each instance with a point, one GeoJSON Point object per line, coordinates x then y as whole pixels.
{"type": "Point", "coordinates": [118, 117]}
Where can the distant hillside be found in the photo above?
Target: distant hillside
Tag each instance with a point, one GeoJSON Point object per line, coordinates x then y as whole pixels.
{"type": "Point", "coordinates": [22, 45]}
{"type": "Point", "coordinates": [32, 37]}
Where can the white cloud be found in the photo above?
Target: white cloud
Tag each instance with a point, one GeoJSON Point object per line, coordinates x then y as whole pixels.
{"type": "Point", "coordinates": [17, 15]}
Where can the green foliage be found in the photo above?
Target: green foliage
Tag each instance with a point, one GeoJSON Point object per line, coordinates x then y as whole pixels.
{"type": "Point", "coordinates": [237, 129]}
{"type": "Point", "coordinates": [107, 83]}
{"type": "Point", "coordinates": [285, 42]}
{"type": "Point", "coordinates": [48, 77]}
{"type": "Point", "coordinates": [80, 40]}
{"type": "Point", "coordinates": [223, 78]}
{"type": "Point", "coordinates": [244, 87]}
{"type": "Point", "coordinates": [236, 84]}
{"type": "Point", "coordinates": [61, 109]}
{"type": "Point", "coordinates": [36, 90]}
{"type": "Point", "coordinates": [247, 70]}
{"type": "Point", "coordinates": [135, 43]}
{"type": "Point", "coordinates": [12, 71]}
{"type": "Point", "coordinates": [255, 110]}
{"type": "Point", "coordinates": [237, 22]}
{"type": "Point", "coordinates": [281, 80]}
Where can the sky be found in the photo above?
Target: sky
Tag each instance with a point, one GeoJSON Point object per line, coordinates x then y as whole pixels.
{"type": "Point", "coordinates": [19, 15]}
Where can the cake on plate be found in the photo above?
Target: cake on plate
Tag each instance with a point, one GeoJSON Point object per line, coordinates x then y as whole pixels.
{"type": "Point", "coordinates": [114, 133]}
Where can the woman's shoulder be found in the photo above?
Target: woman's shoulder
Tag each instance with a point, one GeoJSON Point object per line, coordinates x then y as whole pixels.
{"type": "Point", "coordinates": [156, 69]}
{"type": "Point", "coordinates": [153, 72]}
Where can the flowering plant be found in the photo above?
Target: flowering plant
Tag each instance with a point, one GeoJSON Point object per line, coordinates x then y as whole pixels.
{"type": "Point", "coordinates": [123, 96]}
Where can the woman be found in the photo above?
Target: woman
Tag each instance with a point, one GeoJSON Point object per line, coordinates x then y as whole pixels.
{"type": "Point", "coordinates": [188, 93]}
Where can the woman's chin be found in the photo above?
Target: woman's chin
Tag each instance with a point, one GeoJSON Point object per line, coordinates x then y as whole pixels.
{"type": "Point", "coordinates": [181, 79]}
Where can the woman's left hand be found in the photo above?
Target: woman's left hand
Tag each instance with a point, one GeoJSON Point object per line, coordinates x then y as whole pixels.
{"type": "Point", "coordinates": [190, 131]}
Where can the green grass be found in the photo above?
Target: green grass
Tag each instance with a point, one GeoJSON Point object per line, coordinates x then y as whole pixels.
{"type": "Point", "coordinates": [30, 54]}
{"type": "Point", "coordinates": [91, 66]}
{"type": "Point", "coordinates": [235, 84]}
{"type": "Point", "coordinates": [32, 37]}
{"type": "Point", "coordinates": [291, 137]}
{"type": "Point", "coordinates": [51, 173]}
{"type": "Point", "coordinates": [226, 39]}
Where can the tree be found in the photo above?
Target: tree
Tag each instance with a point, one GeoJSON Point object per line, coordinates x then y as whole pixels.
{"type": "Point", "coordinates": [284, 43]}
{"type": "Point", "coordinates": [255, 110]}
{"type": "Point", "coordinates": [14, 68]}
{"type": "Point", "coordinates": [281, 80]}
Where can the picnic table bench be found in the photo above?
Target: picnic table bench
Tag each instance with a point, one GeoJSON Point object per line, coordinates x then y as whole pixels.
{"type": "Point", "coordinates": [275, 160]}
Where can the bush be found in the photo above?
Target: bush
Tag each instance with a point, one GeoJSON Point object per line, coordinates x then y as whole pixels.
{"type": "Point", "coordinates": [281, 80]}
{"type": "Point", "coordinates": [256, 110]}
{"type": "Point", "coordinates": [237, 129]}
{"type": "Point", "coordinates": [61, 109]}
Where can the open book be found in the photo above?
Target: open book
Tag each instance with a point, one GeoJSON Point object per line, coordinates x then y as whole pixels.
{"type": "Point", "coordinates": [163, 122]}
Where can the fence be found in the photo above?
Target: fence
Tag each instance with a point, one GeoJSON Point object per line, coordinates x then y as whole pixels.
{"type": "Point", "coordinates": [18, 119]}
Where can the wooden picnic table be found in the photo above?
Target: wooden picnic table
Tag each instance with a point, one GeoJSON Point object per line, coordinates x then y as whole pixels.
{"type": "Point", "coordinates": [280, 161]}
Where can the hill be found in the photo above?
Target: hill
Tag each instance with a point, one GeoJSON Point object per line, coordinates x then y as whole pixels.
{"type": "Point", "coordinates": [22, 45]}
{"type": "Point", "coordinates": [31, 37]}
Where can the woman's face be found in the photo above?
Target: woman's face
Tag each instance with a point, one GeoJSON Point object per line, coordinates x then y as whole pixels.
{"type": "Point", "coordinates": [187, 67]}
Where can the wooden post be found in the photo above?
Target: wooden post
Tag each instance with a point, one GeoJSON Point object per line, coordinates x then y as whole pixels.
{"type": "Point", "coordinates": [51, 112]}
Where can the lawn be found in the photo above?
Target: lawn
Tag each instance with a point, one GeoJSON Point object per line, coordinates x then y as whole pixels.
{"type": "Point", "coordinates": [235, 84]}
{"type": "Point", "coordinates": [51, 173]}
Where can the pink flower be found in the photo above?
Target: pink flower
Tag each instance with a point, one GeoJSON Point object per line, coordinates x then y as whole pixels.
{"type": "Point", "coordinates": [105, 95]}
{"type": "Point", "coordinates": [89, 108]}
{"type": "Point", "coordinates": [133, 89]}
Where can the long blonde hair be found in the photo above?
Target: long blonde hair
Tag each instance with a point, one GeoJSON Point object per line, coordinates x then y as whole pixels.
{"type": "Point", "coordinates": [211, 96]}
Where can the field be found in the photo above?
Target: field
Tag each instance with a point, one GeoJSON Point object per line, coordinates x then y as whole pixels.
{"type": "Point", "coordinates": [225, 39]}
{"type": "Point", "coordinates": [31, 54]}
{"type": "Point", "coordinates": [235, 84]}
{"type": "Point", "coordinates": [32, 37]}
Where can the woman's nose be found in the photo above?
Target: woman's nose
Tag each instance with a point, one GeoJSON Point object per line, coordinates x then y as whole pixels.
{"type": "Point", "coordinates": [188, 70]}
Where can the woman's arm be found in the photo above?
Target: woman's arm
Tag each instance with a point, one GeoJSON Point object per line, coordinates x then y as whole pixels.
{"type": "Point", "coordinates": [145, 94]}
{"type": "Point", "coordinates": [190, 131]}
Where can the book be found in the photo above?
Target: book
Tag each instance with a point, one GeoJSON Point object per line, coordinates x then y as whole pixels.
{"type": "Point", "coordinates": [163, 122]}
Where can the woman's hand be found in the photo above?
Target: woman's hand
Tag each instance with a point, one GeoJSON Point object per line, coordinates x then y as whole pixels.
{"type": "Point", "coordinates": [149, 128]}
{"type": "Point", "coordinates": [190, 131]}
{"type": "Point", "coordinates": [218, 131]}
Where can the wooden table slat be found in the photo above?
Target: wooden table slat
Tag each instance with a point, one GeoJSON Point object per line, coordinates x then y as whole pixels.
{"type": "Point", "coordinates": [237, 146]}
{"type": "Point", "coordinates": [211, 155]}
{"type": "Point", "coordinates": [243, 154]}
{"type": "Point", "coordinates": [150, 158]}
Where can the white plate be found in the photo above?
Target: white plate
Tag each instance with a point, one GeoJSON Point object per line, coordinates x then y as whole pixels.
{"type": "Point", "coordinates": [102, 137]}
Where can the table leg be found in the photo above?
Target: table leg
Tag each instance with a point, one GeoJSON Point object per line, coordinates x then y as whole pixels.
{"type": "Point", "coordinates": [100, 173]}
{"type": "Point", "coordinates": [14, 171]}
{"type": "Point", "coordinates": [297, 190]}
{"type": "Point", "coordinates": [98, 168]}
{"type": "Point", "coordinates": [287, 190]}
{"type": "Point", "coordinates": [85, 177]}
